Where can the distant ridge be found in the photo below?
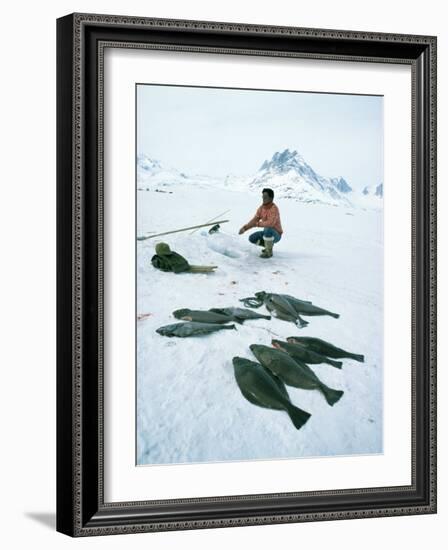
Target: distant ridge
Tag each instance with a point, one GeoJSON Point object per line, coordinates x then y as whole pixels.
{"type": "Point", "coordinates": [286, 172]}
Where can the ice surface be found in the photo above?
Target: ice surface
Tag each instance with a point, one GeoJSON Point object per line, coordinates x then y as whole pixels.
{"type": "Point", "coordinates": [189, 406]}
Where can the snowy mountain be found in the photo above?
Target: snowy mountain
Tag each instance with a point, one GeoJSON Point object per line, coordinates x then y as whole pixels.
{"type": "Point", "coordinates": [341, 185]}
{"type": "Point", "coordinates": [286, 172]}
{"type": "Point", "coordinates": [148, 165]}
{"type": "Point", "coordinates": [291, 177]}
{"type": "Point", "coordinates": [373, 191]}
{"type": "Point", "coordinates": [151, 174]}
{"type": "Point", "coordinates": [370, 197]}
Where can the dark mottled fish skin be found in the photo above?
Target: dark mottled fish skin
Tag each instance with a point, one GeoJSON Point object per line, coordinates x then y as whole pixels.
{"type": "Point", "coordinates": [299, 306]}
{"type": "Point", "coordinates": [308, 309]}
{"type": "Point", "coordinates": [239, 314]}
{"type": "Point", "coordinates": [292, 299]}
{"type": "Point", "coordinates": [325, 348]}
{"type": "Point", "coordinates": [281, 308]}
{"type": "Point", "coordinates": [262, 388]}
{"type": "Point", "coordinates": [293, 372]}
{"type": "Point", "coordinates": [201, 316]}
{"type": "Point", "coordinates": [191, 328]}
{"type": "Point", "coordinates": [297, 351]}
{"type": "Point", "coordinates": [262, 295]}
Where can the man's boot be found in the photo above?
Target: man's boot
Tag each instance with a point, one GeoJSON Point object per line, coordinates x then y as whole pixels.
{"type": "Point", "coordinates": [268, 246]}
{"type": "Point", "coordinates": [260, 242]}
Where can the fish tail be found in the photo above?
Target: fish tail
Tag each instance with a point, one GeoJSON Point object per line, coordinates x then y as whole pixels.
{"type": "Point", "coordinates": [335, 315]}
{"type": "Point", "coordinates": [332, 396]}
{"type": "Point", "coordinates": [337, 364]}
{"type": "Point", "coordinates": [356, 357]}
{"type": "Point", "coordinates": [229, 327]}
{"type": "Point", "coordinates": [298, 416]}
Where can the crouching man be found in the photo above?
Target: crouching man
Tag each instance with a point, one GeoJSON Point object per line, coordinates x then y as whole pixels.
{"type": "Point", "coordinates": [267, 216]}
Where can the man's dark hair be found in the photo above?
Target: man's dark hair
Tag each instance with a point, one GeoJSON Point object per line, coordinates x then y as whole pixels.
{"type": "Point", "coordinates": [269, 192]}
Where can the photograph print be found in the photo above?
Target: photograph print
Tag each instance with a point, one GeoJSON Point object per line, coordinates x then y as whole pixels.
{"type": "Point", "coordinates": [259, 273]}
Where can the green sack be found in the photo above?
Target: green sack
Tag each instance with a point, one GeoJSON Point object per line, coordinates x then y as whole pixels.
{"type": "Point", "coordinates": [170, 262]}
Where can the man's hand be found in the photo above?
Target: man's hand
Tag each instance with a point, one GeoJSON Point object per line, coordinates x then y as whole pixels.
{"type": "Point", "coordinates": [242, 230]}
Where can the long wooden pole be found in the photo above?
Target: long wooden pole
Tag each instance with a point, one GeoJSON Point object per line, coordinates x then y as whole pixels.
{"type": "Point", "coordinates": [179, 230]}
{"type": "Point", "coordinates": [214, 218]}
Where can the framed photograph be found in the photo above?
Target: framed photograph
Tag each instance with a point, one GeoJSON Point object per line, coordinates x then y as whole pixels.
{"type": "Point", "coordinates": [246, 274]}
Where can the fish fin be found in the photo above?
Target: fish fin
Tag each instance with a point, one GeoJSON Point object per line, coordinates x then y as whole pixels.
{"type": "Point", "coordinates": [300, 321]}
{"type": "Point", "coordinates": [356, 357]}
{"type": "Point", "coordinates": [298, 416]}
{"type": "Point", "coordinates": [332, 396]}
{"type": "Point", "coordinates": [337, 364]}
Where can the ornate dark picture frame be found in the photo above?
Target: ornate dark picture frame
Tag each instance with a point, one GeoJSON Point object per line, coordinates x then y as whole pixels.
{"type": "Point", "coordinates": [81, 509]}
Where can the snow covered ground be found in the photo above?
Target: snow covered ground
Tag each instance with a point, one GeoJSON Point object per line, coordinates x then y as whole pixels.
{"type": "Point", "coordinates": [189, 406]}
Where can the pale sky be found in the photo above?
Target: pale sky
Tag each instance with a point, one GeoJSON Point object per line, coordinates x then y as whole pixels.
{"type": "Point", "coordinates": [220, 131]}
